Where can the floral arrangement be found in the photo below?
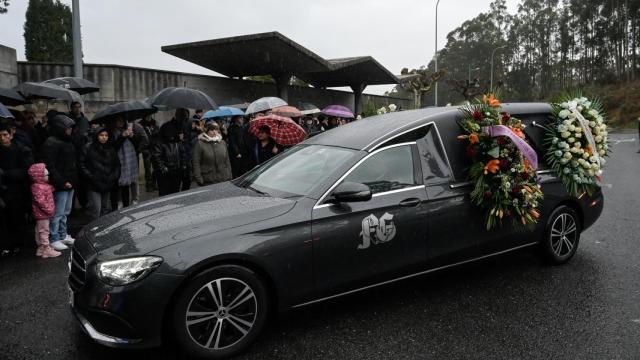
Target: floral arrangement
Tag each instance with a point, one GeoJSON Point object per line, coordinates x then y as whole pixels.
{"type": "Point", "coordinates": [577, 143]}
{"type": "Point", "coordinates": [391, 108]}
{"type": "Point", "coordinates": [503, 168]}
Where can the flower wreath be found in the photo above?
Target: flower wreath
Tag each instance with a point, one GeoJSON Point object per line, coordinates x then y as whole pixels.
{"type": "Point", "coordinates": [503, 169]}
{"type": "Point", "coordinates": [577, 143]}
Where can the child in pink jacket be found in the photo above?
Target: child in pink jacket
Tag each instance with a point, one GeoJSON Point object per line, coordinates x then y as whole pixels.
{"type": "Point", "coordinates": [43, 208]}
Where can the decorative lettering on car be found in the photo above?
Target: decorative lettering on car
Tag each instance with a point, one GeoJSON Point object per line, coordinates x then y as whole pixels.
{"type": "Point", "coordinates": [377, 231]}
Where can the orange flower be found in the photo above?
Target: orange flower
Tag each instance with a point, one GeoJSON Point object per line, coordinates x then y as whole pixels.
{"type": "Point", "coordinates": [517, 131]}
{"type": "Point", "coordinates": [491, 100]}
{"type": "Point", "coordinates": [492, 166]}
{"type": "Point", "coordinates": [534, 213]}
{"type": "Point", "coordinates": [473, 138]}
{"type": "Point", "coordinates": [589, 150]}
{"type": "Point", "coordinates": [527, 165]}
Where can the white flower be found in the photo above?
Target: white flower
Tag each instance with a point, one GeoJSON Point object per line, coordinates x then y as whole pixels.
{"type": "Point", "coordinates": [579, 136]}
{"type": "Point", "coordinates": [603, 161]}
{"type": "Point", "coordinates": [577, 145]}
{"type": "Point", "coordinates": [563, 145]}
{"type": "Point", "coordinates": [571, 128]}
{"type": "Point", "coordinates": [565, 134]}
{"type": "Point", "coordinates": [566, 170]}
{"type": "Point", "coordinates": [592, 123]}
{"type": "Point", "coordinates": [555, 140]}
{"type": "Point", "coordinates": [593, 112]}
{"type": "Point", "coordinates": [571, 140]}
{"type": "Point", "coordinates": [563, 161]}
{"type": "Point", "coordinates": [585, 155]}
{"type": "Point", "coordinates": [587, 104]}
{"type": "Point", "coordinates": [598, 138]}
{"type": "Point", "coordinates": [562, 128]}
{"type": "Point", "coordinates": [599, 172]}
{"type": "Point", "coordinates": [572, 104]}
{"type": "Point", "coordinates": [583, 100]}
{"type": "Point", "coordinates": [564, 113]}
{"type": "Point", "coordinates": [592, 173]}
{"type": "Point", "coordinates": [567, 155]}
{"type": "Point", "coordinates": [577, 129]}
{"type": "Point", "coordinates": [602, 152]}
{"type": "Point", "coordinates": [392, 107]}
{"type": "Point", "coordinates": [567, 122]}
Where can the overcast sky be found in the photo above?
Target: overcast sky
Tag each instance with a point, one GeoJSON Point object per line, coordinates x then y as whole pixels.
{"type": "Point", "coordinates": [397, 33]}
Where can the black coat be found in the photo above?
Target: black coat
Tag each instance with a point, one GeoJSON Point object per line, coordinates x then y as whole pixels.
{"type": "Point", "coordinates": [80, 135]}
{"type": "Point", "coordinates": [171, 130]}
{"type": "Point", "coordinates": [14, 163]}
{"type": "Point", "coordinates": [100, 166]}
{"type": "Point", "coordinates": [169, 156]}
{"type": "Point", "coordinates": [59, 155]}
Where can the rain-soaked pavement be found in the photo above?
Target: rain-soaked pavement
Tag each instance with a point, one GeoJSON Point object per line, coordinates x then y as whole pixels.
{"type": "Point", "coordinates": [504, 308]}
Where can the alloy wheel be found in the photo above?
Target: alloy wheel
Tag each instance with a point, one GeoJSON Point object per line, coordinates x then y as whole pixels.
{"type": "Point", "coordinates": [564, 233]}
{"type": "Point", "coordinates": [221, 313]}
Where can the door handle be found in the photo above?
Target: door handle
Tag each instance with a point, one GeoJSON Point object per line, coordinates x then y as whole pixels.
{"type": "Point", "coordinates": [410, 202]}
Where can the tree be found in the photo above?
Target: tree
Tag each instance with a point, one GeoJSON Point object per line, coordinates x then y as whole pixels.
{"type": "Point", "coordinates": [4, 4]}
{"type": "Point", "coordinates": [47, 32]}
{"type": "Point", "coordinates": [419, 82]}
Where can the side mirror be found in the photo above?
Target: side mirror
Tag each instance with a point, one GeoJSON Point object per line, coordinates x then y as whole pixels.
{"type": "Point", "coordinates": [350, 192]}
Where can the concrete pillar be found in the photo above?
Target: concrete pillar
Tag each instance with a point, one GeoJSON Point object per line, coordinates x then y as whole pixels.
{"type": "Point", "coordinates": [282, 81]}
{"type": "Point", "coordinates": [357, 95]}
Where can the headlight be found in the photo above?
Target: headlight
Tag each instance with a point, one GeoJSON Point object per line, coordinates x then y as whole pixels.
{"type": "Point", "coordinates": [125, 271]}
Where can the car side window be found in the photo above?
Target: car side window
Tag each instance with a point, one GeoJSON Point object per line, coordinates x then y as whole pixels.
{"type": "Point", "coordinates": [535, 135]}
{"type": "Point", "coordinates": [387, 170]}
{"type": "Point", "coordinates": [435, 167]}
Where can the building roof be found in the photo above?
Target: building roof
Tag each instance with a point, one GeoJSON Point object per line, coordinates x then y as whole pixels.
{"type": "Point", "coordinates": [273, 53]}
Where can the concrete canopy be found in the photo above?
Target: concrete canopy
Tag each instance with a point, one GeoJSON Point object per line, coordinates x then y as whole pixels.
{"type": "Point", "coordinates": [274, 54]}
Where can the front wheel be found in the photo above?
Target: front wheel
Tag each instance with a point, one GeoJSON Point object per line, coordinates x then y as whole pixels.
{"type": "Point", "coordinates": [561, 237]}
{"type": "Point", "coordinates": [220, 312]}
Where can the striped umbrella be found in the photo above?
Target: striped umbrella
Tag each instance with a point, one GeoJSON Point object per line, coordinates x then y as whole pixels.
{"type": "Point", "coordinates": [338, 110]}
{"type": "Point", "coordinates": [284, 131]}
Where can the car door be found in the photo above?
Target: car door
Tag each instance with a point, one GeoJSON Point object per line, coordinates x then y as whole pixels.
{"type": "Point", "coordinates": [454, 222]}
{"type": "Point", "coordinates": [359, 243]}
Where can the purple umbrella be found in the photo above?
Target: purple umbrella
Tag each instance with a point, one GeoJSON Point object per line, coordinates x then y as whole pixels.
{"type": "Point", "coordinates": [338, 110]}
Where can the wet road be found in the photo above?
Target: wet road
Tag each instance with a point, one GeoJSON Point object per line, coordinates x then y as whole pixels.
{"type": "Point", "coordinates": [503, 308]}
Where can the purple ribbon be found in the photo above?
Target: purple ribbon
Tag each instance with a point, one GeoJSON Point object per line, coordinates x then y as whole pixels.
{"type": "Point", "coordinates": [526, 149]}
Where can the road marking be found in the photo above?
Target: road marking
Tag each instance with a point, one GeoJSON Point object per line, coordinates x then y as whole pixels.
{"type": "Point", "coordinates": [616, 142]}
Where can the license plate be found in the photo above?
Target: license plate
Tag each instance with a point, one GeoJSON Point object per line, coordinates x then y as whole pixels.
{"type": "Point", "coordinates": [70, 296]}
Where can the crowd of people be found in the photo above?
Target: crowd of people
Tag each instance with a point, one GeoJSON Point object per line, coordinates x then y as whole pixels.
{"type": "Point", "coordinates": [47, 165]}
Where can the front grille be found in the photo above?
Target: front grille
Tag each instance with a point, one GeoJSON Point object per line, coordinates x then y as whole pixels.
{"type": "Point", "coordinates": [77, 271]}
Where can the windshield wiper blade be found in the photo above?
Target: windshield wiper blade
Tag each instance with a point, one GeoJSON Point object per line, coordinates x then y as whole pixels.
{"type": "Point", "coordinates": [256, 190]}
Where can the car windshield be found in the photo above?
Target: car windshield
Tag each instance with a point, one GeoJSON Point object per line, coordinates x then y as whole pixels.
{"type": "Point", "coordinates": [297, 171]}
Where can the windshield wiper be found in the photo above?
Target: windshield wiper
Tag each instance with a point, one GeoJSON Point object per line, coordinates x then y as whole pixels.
{"type": "Point", "coordinates": [256, 190]}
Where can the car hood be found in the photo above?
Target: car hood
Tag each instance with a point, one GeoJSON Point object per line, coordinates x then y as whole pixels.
{"type": "Point", "coordinates": [154, 224]}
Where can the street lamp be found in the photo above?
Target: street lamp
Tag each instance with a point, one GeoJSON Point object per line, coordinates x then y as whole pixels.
{"type": "Point", "coordinates": [436, 55]}
{"type": "Point", "coordinates": [493, 53]}
{"type": "Point", "coordinates": [470, 70]}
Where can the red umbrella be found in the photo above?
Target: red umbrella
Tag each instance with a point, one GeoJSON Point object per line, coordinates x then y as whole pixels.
{"type": "Point", "coordinates": [286, 111]}
{"type": "Point", "coordinates": [284, 131]}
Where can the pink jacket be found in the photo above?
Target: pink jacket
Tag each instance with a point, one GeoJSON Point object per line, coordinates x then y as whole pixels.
{"type": "Point", "coordinates": [43, 205]}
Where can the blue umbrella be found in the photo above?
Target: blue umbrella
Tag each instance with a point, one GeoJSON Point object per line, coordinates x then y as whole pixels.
{"type": "Point", "coordinates": [222, 112]}
{"type": "Point", "coordinates": [5, 113]}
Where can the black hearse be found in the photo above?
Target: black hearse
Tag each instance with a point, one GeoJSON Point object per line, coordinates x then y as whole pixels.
{"type": "Point", "coordinates": [379, 200]}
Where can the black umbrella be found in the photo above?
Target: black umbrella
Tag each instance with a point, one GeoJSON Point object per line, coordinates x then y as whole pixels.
{"type": "Point", "coordinates": [79, 85]}
{"type": "Point", "coordinates": [130, 110]}
{"type": "Point", "coordinates": [11, 97]}
{"type": "Point", "coordinates": [182, 97]}
{"type": "Point", "coordinates": [35, 90]}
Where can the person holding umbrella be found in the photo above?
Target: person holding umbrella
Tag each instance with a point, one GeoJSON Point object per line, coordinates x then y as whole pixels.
{"type": "Point", "coordinates": [266, 147]}
{"type": "Point", "coordinates": [179, 127]}
{"type": "Point", "coordinates": [169, 160]}
{"type": "Point", "coordinates": [122, 141]}
{"type": "Point", "coordinates": [210, 157]}
{"type": "Point", "coordinates": [152, 131]}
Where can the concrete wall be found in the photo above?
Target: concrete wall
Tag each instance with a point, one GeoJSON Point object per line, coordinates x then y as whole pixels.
{"type": "Point", "coordinates": [122, 83]}
{"type": "Point", "coordinates": [8, 67]}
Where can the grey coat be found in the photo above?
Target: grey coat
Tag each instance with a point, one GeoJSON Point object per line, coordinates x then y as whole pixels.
{"type": "Point", "coordinates": [211, 161]}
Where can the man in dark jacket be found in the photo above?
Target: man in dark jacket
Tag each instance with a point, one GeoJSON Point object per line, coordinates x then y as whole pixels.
{"type": "Point", "coordinates": [169, 160]}
{"type": "Point", "coordinates": [60, 157]}
{"type": "Point", "coordinates": [180, 127]}
{"type": "Point", "coordinates": [80, 138]}
{"type": "Point", "coordinates": [14, 191]}
{"type": "Point", "coordinates": [153, 133]}
{"type": "Point", "coordinates": [240, 147]}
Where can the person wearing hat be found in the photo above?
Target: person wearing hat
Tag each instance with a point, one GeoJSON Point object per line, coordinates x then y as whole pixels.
{"type": "Point", "coordinates": [210, 157]}
{"type": "Point", "coordinates": [100, 164]}
{"type": "Point", "coordinates": [60, 158]}
{"type": "Point", "coordinates": [15, 201]}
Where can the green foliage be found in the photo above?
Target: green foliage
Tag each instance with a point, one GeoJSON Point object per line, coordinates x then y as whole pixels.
{"type": "Point", "coordinates": [369, 109]}
{"type": "Point", "coordinates": [551, 45]}
{"type": "Point", "coordinates": [47, 32]}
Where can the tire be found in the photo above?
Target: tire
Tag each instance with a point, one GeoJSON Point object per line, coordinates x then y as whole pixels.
{"type": "Point", "coordinates": [561, 236]}
{"type": "Point", "coordinates": [204, 329]}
